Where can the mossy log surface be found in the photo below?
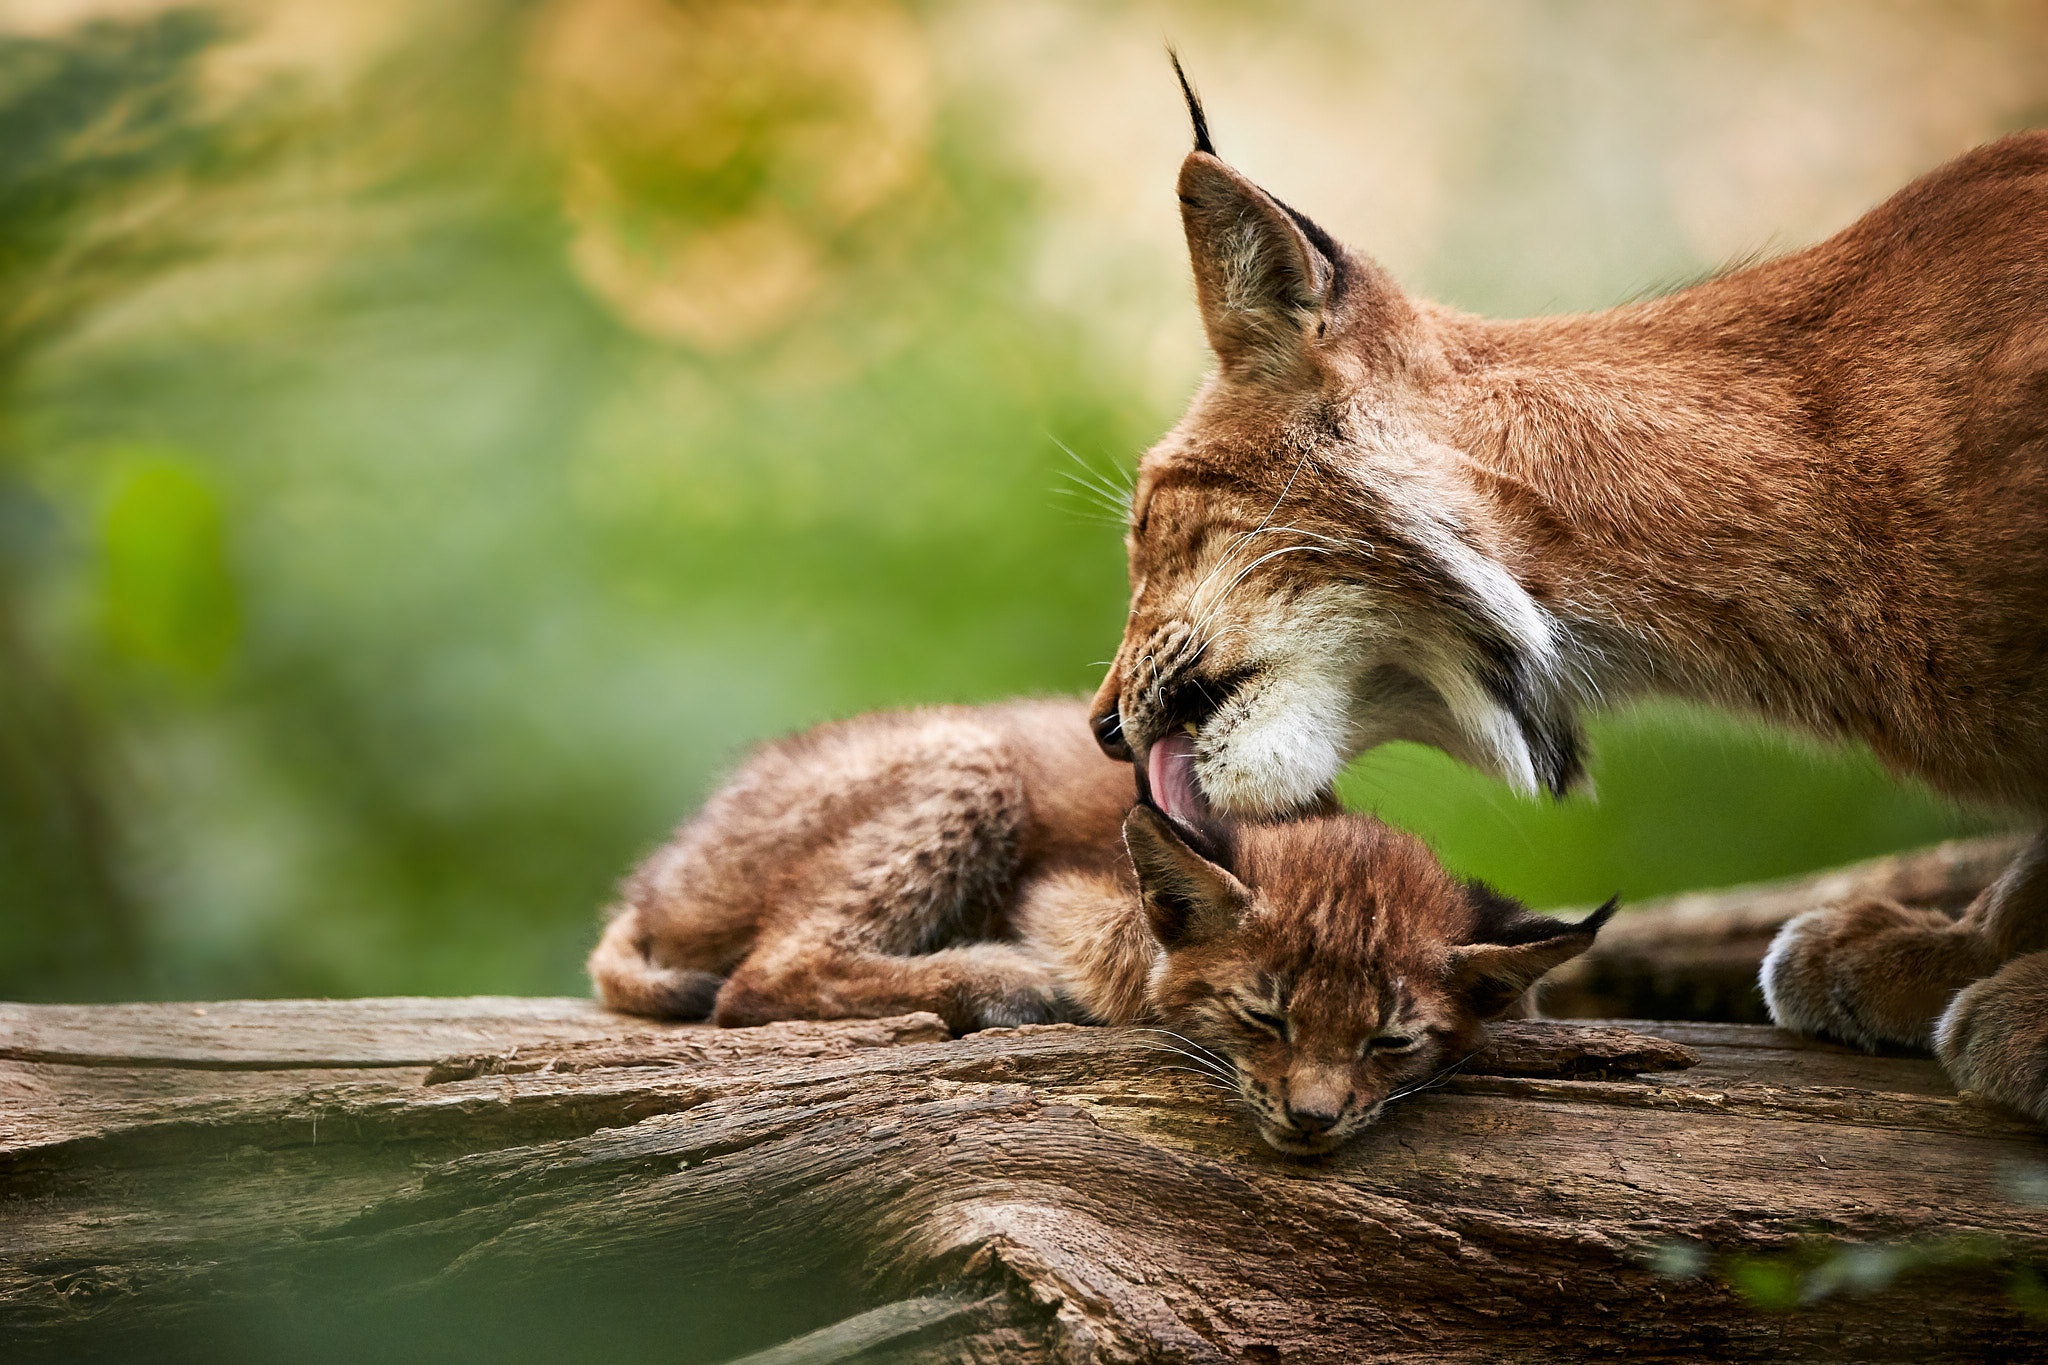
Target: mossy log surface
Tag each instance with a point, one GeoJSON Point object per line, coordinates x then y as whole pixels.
{"type": "Point", "coordinates": [512, 1179]}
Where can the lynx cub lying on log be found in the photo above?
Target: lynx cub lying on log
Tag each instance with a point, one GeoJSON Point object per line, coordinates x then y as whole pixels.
{"type": "Point", "coordinates": [1814, 489]}
{"type": "Point", "coordinates": [968, 862]}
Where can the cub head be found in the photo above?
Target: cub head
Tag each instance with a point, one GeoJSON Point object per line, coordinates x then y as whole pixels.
{"type": "Point", "coordinates": [1316, 565]}
{"type": "Point", "coordinates": [1331, 963]}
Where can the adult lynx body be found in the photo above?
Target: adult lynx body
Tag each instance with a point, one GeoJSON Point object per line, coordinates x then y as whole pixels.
{"type": "Point", "coordinates": [1814, 489]}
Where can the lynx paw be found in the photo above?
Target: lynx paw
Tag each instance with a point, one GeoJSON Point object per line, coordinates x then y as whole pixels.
{"type": "Point", "coordinates": [1993, 1038]}
{"type": "Point", "coordinates": [1018, 1005]}
{"type": "Point", "coordinates": [1869, 972]}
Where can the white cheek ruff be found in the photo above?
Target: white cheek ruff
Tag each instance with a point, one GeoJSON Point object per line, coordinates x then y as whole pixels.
{"type": "Point", "coordinates": [1393, 478]}
{"type": "Point", "coordinates": [1499, 743]}
{"type": "Point", "coordinates": [1497, 737]}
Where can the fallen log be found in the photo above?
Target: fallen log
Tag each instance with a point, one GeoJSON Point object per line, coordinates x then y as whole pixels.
{"type": "Point", "coordinates": [1695, 956]}
{"type": "Point", "coordinates": [514, 1180]}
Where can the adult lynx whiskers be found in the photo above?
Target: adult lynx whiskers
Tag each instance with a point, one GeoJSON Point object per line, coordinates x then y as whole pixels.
{"type": "Point", "coordinates": [1814, 489]}
{"type": "Point", "coordinates": [989, 865]}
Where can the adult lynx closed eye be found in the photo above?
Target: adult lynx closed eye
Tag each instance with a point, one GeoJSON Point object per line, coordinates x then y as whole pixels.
{"type": "Point", "coordinates": [1814, 490]}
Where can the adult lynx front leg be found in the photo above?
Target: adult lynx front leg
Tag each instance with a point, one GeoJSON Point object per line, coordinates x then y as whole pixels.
{"type": "Point", "coordinates": [1994, 1038]}
{"type": "Point", "coordinates": [909, 840]}
{"type": "Point", "coordinates": [1871, 972]}
{"type": "Point", "coordinates": [1974, 988]}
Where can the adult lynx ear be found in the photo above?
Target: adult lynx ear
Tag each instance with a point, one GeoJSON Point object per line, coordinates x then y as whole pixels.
{"type": "Point", "coordinates": [1188, 899]}
{"type": "Point", "coordinates": [1512, 949]}
{"type": "Point", "coordinates": [1264, 275]}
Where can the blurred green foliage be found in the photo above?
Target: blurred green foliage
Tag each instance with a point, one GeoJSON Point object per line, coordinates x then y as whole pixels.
{"type": "Point", "coordinates": [170, 601]}
{"type": "Point", "coordinates": [1816, 1268]}
{"type": "Point", "coordinates": [387, 566]}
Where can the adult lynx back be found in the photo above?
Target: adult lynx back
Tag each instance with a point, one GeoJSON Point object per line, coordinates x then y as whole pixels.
{"type": "Point", "coordinates": [1815, 489]}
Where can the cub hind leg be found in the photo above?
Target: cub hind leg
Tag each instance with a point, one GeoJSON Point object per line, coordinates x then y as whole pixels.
{"type": "Point", "coordinates": [1082, 953]}
{"type": "Point", "coordinates": [971, 986]}
{"type": "Point", "coordinates": [887, 878]}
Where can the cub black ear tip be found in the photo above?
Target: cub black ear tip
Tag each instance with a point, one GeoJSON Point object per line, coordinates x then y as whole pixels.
{"type": "Point", "coordinates": [1591, 923]}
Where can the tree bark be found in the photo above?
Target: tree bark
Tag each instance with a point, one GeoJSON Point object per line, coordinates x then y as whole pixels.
{"type": "Point", "coordinates": [517, 1180]}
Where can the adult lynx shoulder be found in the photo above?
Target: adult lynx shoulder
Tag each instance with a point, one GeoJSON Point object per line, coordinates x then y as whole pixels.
{"type": "Point", "coordinates": [1815, 489]}
{"type": "Point", "coordinates": [990, 865]}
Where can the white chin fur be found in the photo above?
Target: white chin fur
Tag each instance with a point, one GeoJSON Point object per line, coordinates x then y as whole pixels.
{"type": "Point", "coordinates": [1280, 751]}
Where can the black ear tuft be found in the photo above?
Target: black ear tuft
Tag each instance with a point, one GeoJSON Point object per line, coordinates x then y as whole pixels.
{"type": "Point", "coordinates": [1499, 918]}
{"type": "Point", "coordinates": [1511, 947]}
{"type": "Point", "coordinates": [1201, 121]}
{"type": "Point", "coordinates": [1593, 923]}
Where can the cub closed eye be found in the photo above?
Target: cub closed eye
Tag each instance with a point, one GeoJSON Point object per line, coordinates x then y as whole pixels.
{"type": "Point", "coordinates": [1265, 1019]}
{"type": "Point", "coordinates": [1391, 1042]}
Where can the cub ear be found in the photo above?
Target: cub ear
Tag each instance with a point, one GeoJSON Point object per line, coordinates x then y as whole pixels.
{"type": "Point", "coordinates": [1187, 898]}
{"type": "Point", "coordinates": [1264, 275]}
{"type": "Point", "coordinates": [1512, 948]}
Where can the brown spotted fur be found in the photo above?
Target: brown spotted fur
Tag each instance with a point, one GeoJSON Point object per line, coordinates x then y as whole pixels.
{"type": "Point", "coordinates": [1814, 489]}
{"type": "Point", "coordinates": [973, 862]}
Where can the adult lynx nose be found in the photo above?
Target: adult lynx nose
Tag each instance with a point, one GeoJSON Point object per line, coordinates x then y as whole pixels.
{"type": "Point", "coordinates": [1108, 724]}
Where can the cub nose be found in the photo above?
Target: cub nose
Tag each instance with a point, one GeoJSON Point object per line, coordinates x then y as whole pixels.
{"type": "Point", "coordinates": [1108, 724]}
{"type": "Point", "coordinates": [1315, 1117]}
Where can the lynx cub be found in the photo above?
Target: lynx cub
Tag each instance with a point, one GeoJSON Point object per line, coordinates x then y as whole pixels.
{"type": "Point", "coordinates": [989, 865]}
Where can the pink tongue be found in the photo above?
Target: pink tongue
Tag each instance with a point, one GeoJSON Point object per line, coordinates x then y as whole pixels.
{"type": "Point", "coordinates": [1170, 772]}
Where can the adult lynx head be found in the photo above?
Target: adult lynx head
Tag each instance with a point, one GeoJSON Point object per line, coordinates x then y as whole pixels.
{"type": "Point", "coordinates": [1310, 574]}
{"type": "Point", "coordinates": [1331, 962]}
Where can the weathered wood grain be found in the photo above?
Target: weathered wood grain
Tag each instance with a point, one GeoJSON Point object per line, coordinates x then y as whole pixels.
{"type": "Point", "coordinates": [535, 1180]}
{"type": "Point", "coordinates": [267, 1035]}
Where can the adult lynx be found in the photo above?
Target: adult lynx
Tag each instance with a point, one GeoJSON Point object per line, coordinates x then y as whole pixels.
{"type": "Point", "coordinates": [1814, 489]}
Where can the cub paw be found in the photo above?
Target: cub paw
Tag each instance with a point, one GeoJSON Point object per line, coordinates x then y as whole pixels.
{"type": "Point", "coordinates": [1024, 1006]}
{"type": "Point", "coordinates": [1870, 972]}
{"type": "Point", "coordinates": [741, 1003]}
{"type": "Point", "coordinates": [1993, 1037]}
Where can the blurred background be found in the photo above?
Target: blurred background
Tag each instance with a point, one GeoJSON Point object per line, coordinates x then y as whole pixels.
{"type": "Point", "coordinates": [436, 440]}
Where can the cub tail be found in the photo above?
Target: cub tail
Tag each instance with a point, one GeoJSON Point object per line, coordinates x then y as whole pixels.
{"type": "Point", "coordinates": [628, 979]}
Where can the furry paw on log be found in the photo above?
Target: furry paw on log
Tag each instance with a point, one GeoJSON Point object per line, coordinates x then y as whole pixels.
{"type": "Point", "coordinates": [514, 1180]}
